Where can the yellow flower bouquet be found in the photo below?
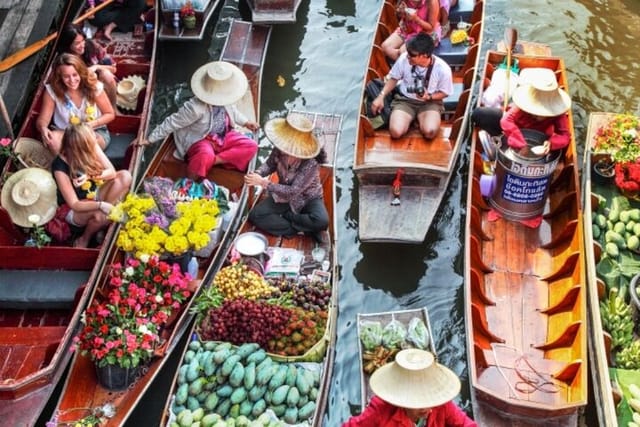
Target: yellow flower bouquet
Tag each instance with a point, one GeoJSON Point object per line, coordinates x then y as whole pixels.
{"type": "Point", "coordinates": [179, 227]}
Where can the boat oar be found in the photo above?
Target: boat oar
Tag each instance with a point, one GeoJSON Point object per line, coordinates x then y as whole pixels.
{"type": "Point", "coordinates": [397, 182]}
{"type": "Point", "coordinates": [6, 119]}
{"type": "Point", "coordinates": [510, 39]}
{"type": "Point", "coordinates": [19, 56]}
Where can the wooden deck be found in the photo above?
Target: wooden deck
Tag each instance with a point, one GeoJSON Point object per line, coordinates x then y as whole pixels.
{"type": "Point", "coordinates": [526, 297]}
{"type": "Point", "coordinates": [274, 11]}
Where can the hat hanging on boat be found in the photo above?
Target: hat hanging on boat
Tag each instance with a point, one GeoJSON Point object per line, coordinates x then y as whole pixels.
{"type": "Point", "coordinates": [128, 90]}
{"type": "Point", "coordinates": [28, 192]}
{"type": "Point", "coordinates": [293, 135]}
{"type": "Point", "coordinates": [219, 83]}
{"type": "Point", "coordinates": [539, 93]}
{"type": "Point", "coordinates": [32, 153]}
{"type": "Point", "coordinates": [415, 380]}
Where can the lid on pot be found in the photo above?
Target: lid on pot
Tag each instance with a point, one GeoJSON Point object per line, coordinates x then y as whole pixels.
{"type": "Point", "coordinates": [251, 243]}
{"type": "Point", "coordinates": [534, 139]}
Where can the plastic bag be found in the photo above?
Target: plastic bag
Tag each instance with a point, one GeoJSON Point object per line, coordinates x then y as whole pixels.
{"type": "Point", "coordinates": [394, 334]}
{"type": "Point", "coordinates": [370, 334]}
{"type": "Point", "coordinates": [417, 333]}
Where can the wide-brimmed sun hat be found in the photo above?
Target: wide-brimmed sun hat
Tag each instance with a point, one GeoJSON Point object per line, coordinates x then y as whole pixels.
{"type": "Point", "coordinates": [293, 135]}
{"type": "Point", "coordinates": [540, 95]}
{"type": "Point", "coordinates": [415, 381]}
{"type": "Point", "coordinates": [32, 153]}
{"type": "Point", "coordinates": [30, 192]}
{"type": "Point", "coordinates": [219, 83]}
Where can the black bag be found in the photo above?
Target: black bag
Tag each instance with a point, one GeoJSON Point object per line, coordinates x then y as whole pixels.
{"type": "Point", "coordinates": [372, 90]}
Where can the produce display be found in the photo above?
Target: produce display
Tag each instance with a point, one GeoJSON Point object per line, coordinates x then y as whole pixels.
{"type": "Point", "coordinates": [222, 385]}
{"type": "Point", "coordinates": [380, 344]}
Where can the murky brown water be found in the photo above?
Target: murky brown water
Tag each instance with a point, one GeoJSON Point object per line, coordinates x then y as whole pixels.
{"type": "Point", "coordinates": [322, 58]}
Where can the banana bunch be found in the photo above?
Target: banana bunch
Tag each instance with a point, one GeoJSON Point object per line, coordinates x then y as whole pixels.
{"type": "Point", "coordinates": [629, 357]}
{"type": "Point", "coordinates": [617, 319]}
{"type": "Point", "coordinates": [634, 404]}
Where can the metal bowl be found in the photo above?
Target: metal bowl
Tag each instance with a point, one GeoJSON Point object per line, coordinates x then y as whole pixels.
{"type": "Point", "coordinates": [251, 243]}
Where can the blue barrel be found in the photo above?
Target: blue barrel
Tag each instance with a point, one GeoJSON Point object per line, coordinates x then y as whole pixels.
{"type": "Point", "coordinates": [523, 178]}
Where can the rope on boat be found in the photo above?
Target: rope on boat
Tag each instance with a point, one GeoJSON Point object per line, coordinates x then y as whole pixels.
{"type": "Point", "coordinates": [529, 382]}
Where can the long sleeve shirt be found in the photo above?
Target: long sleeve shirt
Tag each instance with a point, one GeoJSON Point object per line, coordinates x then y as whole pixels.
{"type": "Point", "coordinates": [556, 128]}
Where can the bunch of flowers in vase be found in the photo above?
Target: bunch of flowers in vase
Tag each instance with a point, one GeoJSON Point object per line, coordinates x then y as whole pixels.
{"type": "Point", "coordinates": [121, 325]}
{"type": "Point", "coordinates": [619, 141]}
{"type": "Point", "coordinates": [188, 15]}
{"type": "Point", "coordinates": [157, 224]}
{"type": "Point", "coordinates": [6, 150]}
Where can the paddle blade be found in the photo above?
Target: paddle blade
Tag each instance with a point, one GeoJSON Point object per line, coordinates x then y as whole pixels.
{"type": "Point", "coordinates": [510, 38]}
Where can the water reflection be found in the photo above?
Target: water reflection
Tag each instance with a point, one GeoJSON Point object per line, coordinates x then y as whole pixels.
{"type": "Point", "coordinates": [322, 59]}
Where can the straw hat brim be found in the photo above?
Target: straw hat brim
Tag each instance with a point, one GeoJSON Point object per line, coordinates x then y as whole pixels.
{"type": "Point", "coordinates": [32, 153]}
{"type": "Point", "coordinates": [543, 103]}
{"type": "Point", "coordinates": [293, 136]}
{"type": "Point", "coordinates": [415, 387]}
{"type": "Point", "coordinates": [219, 83]}
{"type": "Point", "coordinates": [43, 204]}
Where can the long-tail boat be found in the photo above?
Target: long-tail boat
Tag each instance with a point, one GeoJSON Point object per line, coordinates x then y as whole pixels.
{"type": "Point", "coordinates": [43, 290]}
{"type": "Point", "coordinates": [274, 12]}
{"type": "Point", "coordinates": [525, 287]}
{"type": "Point", "coordinates": [173, 24]}
{"type": "Point", "coordinates": [401, 182]}
{"type": "Point", "coordinates": [611, 267]}
{"type": "Point", "coordinates": [82, 388]}
{"type": "Point", "coordinates": [319, 358]}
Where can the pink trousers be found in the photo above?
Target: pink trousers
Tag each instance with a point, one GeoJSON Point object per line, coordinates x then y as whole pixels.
{"type": "Point", "coordinates": [235, 151]}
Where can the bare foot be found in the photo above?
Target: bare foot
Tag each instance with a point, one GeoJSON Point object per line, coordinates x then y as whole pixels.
{"type": "Point", "coordinates": [81, 242]}
{"type": "Point", "coordinates": [107, 31]}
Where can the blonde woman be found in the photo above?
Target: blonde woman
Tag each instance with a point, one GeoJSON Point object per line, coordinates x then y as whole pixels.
{"type": "Point", "coordinates": [73, 95]}
{"type": "Point", "coordinates": [88, 184]}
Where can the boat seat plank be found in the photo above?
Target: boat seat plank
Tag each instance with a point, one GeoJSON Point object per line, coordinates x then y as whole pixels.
{"type": "Point", "coordinates": [30, 289]}
{"type": "Point", "coordinates": [117, 149]}
{"type": "Point", "coordinates": [461, 12]}
{"type": "Point", "coordinates": [453, 54]}
{"type": "Point", "coordinates": [17, 336]}
{"type": "Point", "coordinates": [415, 149]}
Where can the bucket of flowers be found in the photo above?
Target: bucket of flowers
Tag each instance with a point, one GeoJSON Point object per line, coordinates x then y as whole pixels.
{"type": "Point", "coordinates": [155, 223]}
{"type": "Point", "coordinates": [122, 324]}
{"type": "Point", "coordinates": [188, 15]}
{"type": "Point", "coordinates": [617, 150]}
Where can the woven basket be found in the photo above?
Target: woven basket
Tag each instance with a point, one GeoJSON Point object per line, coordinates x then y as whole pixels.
{"type": "Point", "coordinates": [33, 154]}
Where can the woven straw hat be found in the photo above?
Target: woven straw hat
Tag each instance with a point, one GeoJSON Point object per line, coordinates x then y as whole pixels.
{"type": "Point", "coordinates": [30, 191]}
{"type": "Point", "coordinates": [293, 136]}
{"type": "Point", "coordinates": [415, 381]}
{"type": "Point", "coordinates": [540, 94]}
{"type": "Point", "coordinates": [219, 83]}
{"type": "Point", "coordinates": [32, 153]}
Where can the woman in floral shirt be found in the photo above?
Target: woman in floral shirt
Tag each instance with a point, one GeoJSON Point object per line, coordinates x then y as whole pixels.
{"type": "Point", "coordinates": [294, 203]}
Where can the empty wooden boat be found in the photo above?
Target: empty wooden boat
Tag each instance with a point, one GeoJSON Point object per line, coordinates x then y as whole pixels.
{"type": "Point", "coordinates": [44, 290]}
{"type": "Point", "coordinates": [274, 11]}
{"type": "Point", "coordinates": [525, 293]}
{"type": "Point", "coordinates": [420, 169]}
{"type": "Point", "coordinates": [82, 388]}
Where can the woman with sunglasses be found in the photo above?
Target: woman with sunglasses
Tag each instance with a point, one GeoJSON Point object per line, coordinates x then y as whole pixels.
{"type": "Point", "coordinates": [423, 81]}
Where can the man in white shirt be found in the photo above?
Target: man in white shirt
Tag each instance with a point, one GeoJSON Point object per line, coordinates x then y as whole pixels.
{"type": "Point", "coordinates": [423, 81]}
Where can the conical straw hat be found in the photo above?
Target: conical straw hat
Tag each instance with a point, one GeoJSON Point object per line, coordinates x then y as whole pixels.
{"type": "Point", "coordinates": [32, 153]}
{"type": "Point", "coordinates": [415, 380]}
{"type": "Point", "coordinates": [219, 83]}
{"type": "Point", "coordinates": [540, 94]}
{"type": "Point", "coordinates": [293, 136]}
{"type": "Point", "coordinates": [29, 192]}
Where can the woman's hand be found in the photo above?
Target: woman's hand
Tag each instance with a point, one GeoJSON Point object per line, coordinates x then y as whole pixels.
{"type": "Point", "coordinates": [256, 180]}
{"type": "Point", "coordinates": [79, 180]}
{"type": "Point", "coordinates": [252, 126]}
{"type": "Point", "coordinates": [105, 207]}
{"type": "Point", "coordinates": [47, 137]}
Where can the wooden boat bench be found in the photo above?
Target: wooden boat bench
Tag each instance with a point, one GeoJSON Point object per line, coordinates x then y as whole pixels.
{"type": "Point", "coordinates": [118, 148]}
{"type": "Point", "coordinates": [42, 289]}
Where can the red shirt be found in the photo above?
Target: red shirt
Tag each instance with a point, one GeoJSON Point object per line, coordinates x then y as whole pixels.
{"type": "Point", "coordinates": [382, 414]}
{"type": "Point", "coordinates": [556, 128]}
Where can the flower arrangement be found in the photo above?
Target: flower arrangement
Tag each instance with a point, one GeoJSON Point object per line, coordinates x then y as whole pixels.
{"type": "Point", "coordinates": [620, 138]}
{"type": "Point", "coordinates": [187, 10]}
{"type": "Point", "coordinates": [122, 328]}
{"type": "Point", "coordinates": [38, 236]}
{"type": "Point", "coordinates": [6, 150]}
{"type": "Point", "coordinates": [164, 226]}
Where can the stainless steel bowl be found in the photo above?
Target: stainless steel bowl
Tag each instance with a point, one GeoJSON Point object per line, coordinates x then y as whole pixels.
{"type": "Point", "coordinates": [251, 243]}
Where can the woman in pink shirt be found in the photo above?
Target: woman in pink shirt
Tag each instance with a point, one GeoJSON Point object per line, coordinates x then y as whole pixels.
{"type": "Point", "coordinates": [413, 390]}
{"type": "Point", "coordinates": [414, 16]}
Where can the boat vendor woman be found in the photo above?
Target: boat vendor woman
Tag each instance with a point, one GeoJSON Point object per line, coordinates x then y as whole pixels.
{"type": "Point", "coordinates": [204, 126]}
{"type": "Point", "coordinates": [539, 104]}
{"type": "Point", "coordinates": [414, 390]}
{"type": "Point", "coordinates": [294, 204]}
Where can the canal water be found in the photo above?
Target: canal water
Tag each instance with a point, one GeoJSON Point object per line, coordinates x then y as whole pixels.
{"type": "Point", "coordinates": [322, 59]}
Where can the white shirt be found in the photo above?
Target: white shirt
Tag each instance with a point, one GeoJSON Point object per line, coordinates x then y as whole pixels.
{"type": "Point", "coordinates": [441, 79]}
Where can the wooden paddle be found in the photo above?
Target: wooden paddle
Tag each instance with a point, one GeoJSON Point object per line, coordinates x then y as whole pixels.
{"type": "Point", "coordinates": [510, 39]}
{"type": "Point", "coordinates": [19, 56]}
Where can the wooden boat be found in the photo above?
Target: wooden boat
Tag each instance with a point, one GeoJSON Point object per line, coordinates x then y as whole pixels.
{"type": "Point", "coordinates": [44, 290]}
{"type": "Point", "coordinates": [383, 320]}
{"type": "Point", "coordinates": [320, 357]}
{"type": "Point", "coordinates": [525, 302]}
{"type": "Point", "coordinates": [81, 389]}
{"type": "Point", "coordinates": [274, 12]}
{"type": "Point", "coordinates": [610, 381]}
{"type": "Point", "coordinates": [422, 168]}
{"type": "Point", "coordinates": [171, 24]}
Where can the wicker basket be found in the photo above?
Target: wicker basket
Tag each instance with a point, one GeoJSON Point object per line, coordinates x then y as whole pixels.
{"type": "Point", "coordinates": [33, 154]}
